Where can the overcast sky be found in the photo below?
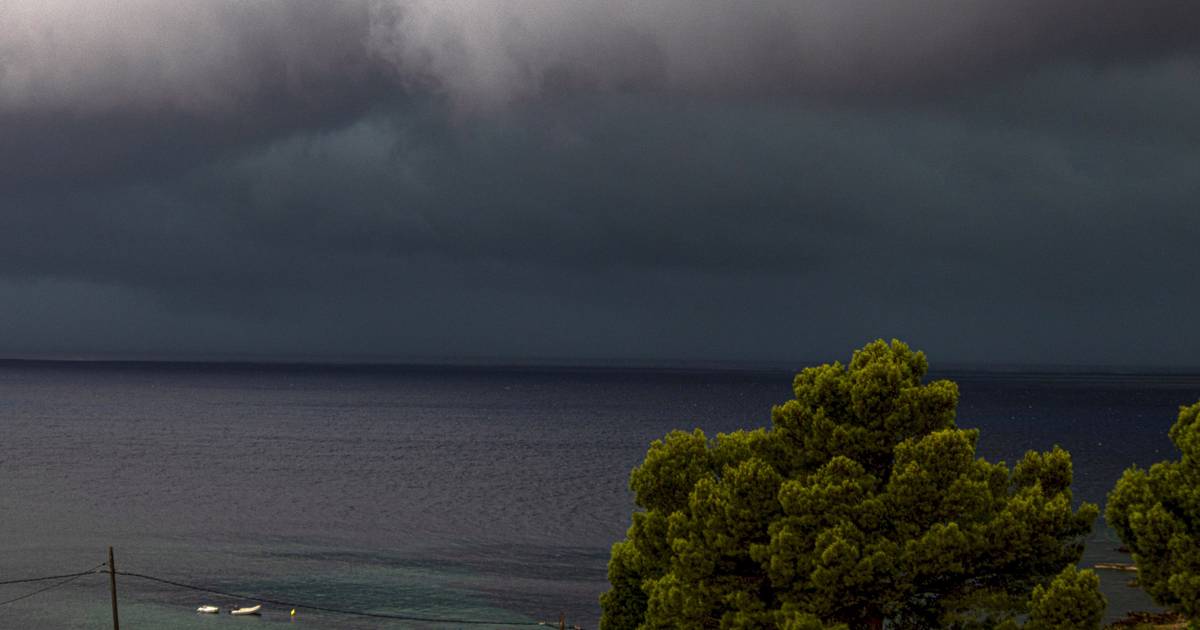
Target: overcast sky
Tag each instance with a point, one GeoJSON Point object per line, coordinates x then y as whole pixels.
{"type": "Point", "coordinates": [994, 181]}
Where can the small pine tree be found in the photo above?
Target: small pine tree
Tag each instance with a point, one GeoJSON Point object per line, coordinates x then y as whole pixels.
{"type": "Point", "coordinates": [1072, 601]}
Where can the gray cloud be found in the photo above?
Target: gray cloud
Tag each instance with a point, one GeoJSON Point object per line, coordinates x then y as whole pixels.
{"type": "Point", "coordinates": [490, 52]}
{"type": "Point", "coordinates": [91, 89]}
{"type": "Point", "coordinates": [654, 224]}
{"type": "Point", "coordinates": [216, 60]}
{"type": "Point", "coordinates": [992, 181]}
{"type": "Point", "coordinates": [211, 60]}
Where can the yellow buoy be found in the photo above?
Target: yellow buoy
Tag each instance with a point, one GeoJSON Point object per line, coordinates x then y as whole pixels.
{"type": "Point", "coordinates": [293, 612]}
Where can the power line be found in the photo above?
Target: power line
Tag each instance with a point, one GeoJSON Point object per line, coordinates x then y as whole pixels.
{"type": "Point", "coordinates": [340, 611]}
{"type": "Point", "coordinates": [50, 577]}
{"type": "Point", "coordinates": [70, 577]}
{"type": "Point", "coordinates": [66, 578]}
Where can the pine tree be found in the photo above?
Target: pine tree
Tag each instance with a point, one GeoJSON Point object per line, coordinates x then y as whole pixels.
{"type": "Point", "coordinates": [1156, 513]}
{"type": "Point", "coordinates": [863, 503]}
{"type": "Point", "coordinates": [1071, 601]}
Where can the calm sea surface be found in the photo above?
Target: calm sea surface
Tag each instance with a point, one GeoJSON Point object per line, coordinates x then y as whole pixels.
{"type": "Point", "coordinates": [488, 494]}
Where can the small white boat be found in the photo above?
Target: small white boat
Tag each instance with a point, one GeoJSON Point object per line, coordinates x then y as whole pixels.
{"type": "Point", "coordinates": [252, 610]}
{"type": "Point", "coordinates": [208, 609]}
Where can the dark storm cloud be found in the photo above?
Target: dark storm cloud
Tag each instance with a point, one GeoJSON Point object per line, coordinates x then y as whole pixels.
{"type": "Point", "coordinates": [211, 60]}
{"type": "Point", "coordinates": [1004, 181]}
{"type": "Point", "coordinates": [497, 52]}
{"type": "Point", "coordinates": [228, 61]}
{"type": "Point", "coordinates": [646, 225]}
{"type": "Point", "coordinates": [96, 91]}
{"type": "Point", "coordinates": [90, 90]}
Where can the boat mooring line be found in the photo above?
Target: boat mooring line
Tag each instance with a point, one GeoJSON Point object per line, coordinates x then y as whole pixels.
{"type": "Point", "coordinates": [340, 611]}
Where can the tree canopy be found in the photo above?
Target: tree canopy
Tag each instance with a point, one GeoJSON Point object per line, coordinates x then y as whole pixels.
{"type": "Point", "coordinates": [1156, 513]}
{"type": "Point", "coordinates": [1072, 600]}
{"type": "Point", "coordinates": [861, 503]}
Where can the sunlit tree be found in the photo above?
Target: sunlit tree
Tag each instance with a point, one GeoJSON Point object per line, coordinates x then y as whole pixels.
{"type": "Point", "coordinates": [863, 503]}
{"type": "Point", "coordinates": [1072, 600]}
{"type": "Point", "coordinates": [1156, 513]}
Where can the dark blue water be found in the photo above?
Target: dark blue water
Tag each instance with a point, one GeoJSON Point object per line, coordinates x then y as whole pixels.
{"type": "Point", "coordinates": [476, 493]}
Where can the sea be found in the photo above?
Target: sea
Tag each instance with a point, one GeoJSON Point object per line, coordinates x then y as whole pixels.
{"type": "Point", "coordinates": [422, 493]}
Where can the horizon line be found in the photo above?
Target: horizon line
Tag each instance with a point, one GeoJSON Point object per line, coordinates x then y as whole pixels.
{"type": "Point", "coordinates": [558, 363]}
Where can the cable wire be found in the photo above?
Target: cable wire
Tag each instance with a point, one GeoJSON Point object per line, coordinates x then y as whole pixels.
{"type": "Point", "coordinates": [70, 577]}
{"type": "Point", "coordinates": [340, 611]}
{"type": "Point", "coordinates": [51, 577]}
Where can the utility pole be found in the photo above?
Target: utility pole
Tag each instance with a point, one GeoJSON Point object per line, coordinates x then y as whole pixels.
{"type": "Point", "coordinates": [112, 582]}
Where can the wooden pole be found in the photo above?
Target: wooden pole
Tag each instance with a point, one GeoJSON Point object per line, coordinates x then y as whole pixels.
{"type": "Point", "coordinates": [112, 582]}
{"type": "Point", "coordinates": [562, 621]}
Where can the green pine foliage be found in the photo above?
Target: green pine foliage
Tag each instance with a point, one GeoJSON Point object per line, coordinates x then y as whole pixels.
{"type": "Point", "coordinates": [1157, 515]}
{"type": "Point", "coordinates": [862, 504]}
{"type": "Point", "coordinates": [1072, 600]}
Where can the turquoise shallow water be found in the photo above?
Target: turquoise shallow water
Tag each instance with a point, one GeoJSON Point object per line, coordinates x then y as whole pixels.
{"type": "Point", "coordinates": [475, 493]}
